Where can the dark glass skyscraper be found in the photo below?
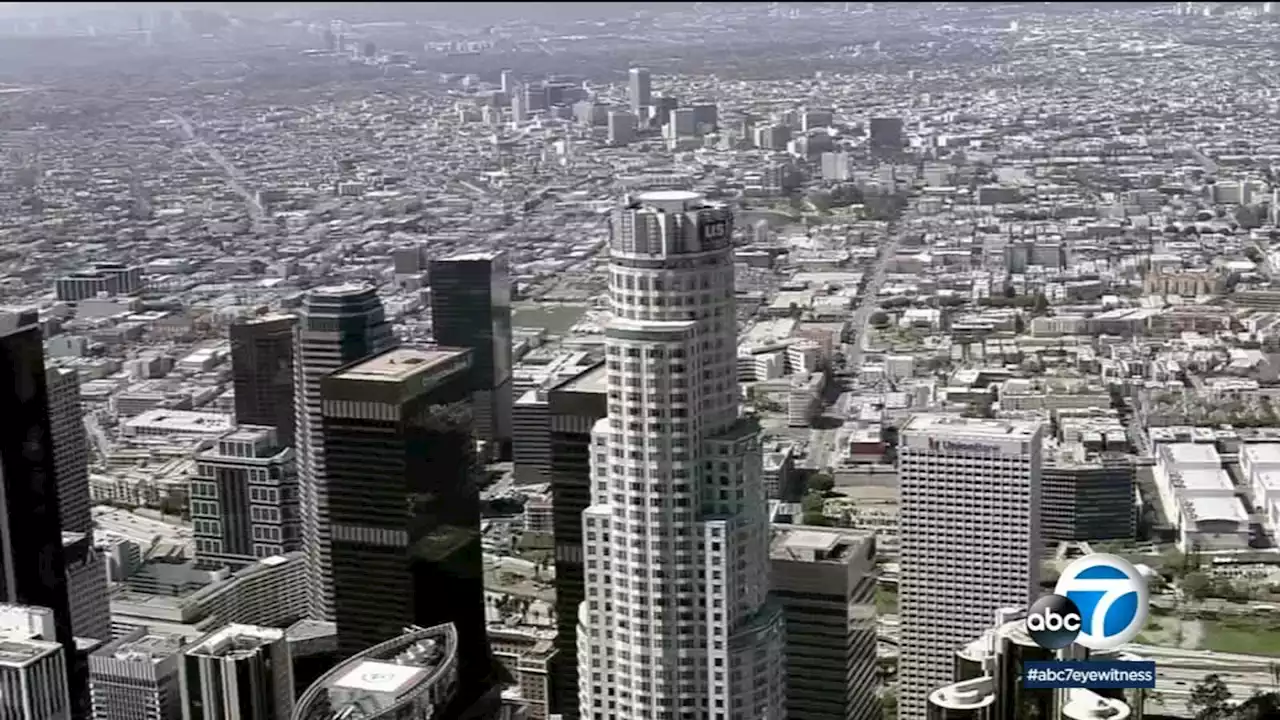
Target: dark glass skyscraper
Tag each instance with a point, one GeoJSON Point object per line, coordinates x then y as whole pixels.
{"type": "Point", "coordinates": [574, 407]}
{"type": "Point", "coordinates": [32, 570]}
{"type": "Point", "coordinates": [262, 373]}
{"type": "Point", "coordinates": [471, 308]}
{"type": "Point", "coordinates": [404, 502]}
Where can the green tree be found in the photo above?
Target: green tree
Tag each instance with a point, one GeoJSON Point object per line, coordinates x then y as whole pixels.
{"type": "Point", "coordinates": [879, 319]}
{"type": "Point", "coordinates": [1197, 585]}
{"type": "Point", "coordinates": [1210, 699]}
{"type": "Point", "coordinates": [817, 518]}
{"type": "Point", "coordinates": [812, 502]}
{"type": "Point", "coordinates": [820, 483]}
{"type": "Point", "coordinates": [889, 703]}
{"type": "Point", "coordinates": [1262, 706]}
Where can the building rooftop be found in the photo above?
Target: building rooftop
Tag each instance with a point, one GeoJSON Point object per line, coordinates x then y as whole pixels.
{"type": "Point", "coordinates": [14, 319]}
{"type": "Point", "coordinates": [1199, 480]}
{"type": "Point", "coordinates": [19, 653]}
{"type": "Point", "coordinates": [398, 364]}
{"type": "Point", "coordinates": [478, 256]}
{"type": "Point", "coordinates": [1262, 453]}
{"type": "Point", "coordinates": [373, 682]}
{"type": "Point", "coordinates": [181, 422]}
{"type": "Point", "coordinates": [1193, 454]}
{"type": "Point", "coordinates": [594, 380]}
{"type": "Point", "coordinates": [1218, 508]}
{"type": "Point", "coordinates": [341, 290]}
{"type": "Point", "coordinates": [972, 427]}
{"type": "Point", "coordinates": [152, 647]}
{"type": "Point", "coordinates": [816, 544]}
{"type": "Point", "coordinates": [379, 677]}
{"type": "Point", "coordinates": [235, 641]}
{"type": "Point", "coordinates": [269, 318]}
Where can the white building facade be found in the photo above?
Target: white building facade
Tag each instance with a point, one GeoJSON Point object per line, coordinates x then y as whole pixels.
{"type": "Point", "coordinates": [340, 325]}
{"type": "Point", "coordinates": [969, 538]}
{"type": "Point", "coordinates": [676, 622]}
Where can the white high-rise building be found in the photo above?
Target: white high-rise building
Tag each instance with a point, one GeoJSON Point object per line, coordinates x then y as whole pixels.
{"type": "Point", "coordinates": [33, 668]}
{"type": "Point", "coordinates": [340, 325]}
{"type": "Point", "coordinates": [676, 621]}
{"type": "Point", "coordinates": [969, 533]}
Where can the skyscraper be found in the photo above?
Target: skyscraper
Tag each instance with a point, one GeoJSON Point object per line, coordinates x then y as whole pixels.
{"type": "Point", "coordinates": [639, 91]}
{"type": "Point", "coordinates": [340, 325]}
{"type": "Point", "coordinates": [471, 308]}
{"type": "Point", "coordinates": [676, 620]}
{"type": "Point", "coordinates": [262, 373]}
{"type": "Point", "coordinates": [70, 450]}
{"type": "Point", "coordinates": [969, 529]}
{"type": "Point", "coordinates": [135, 677]}
{"type": "Point", "coordinates": [404, 502]}
{"type": "Point", "coordinates": [244, 498]}
{"type": "Point", "coordinates": [87, 587]}
{"type": "Point", "coordinates": [32, 570]}
{"type": "Point", "coordinates": [86, 569]}
{"type": "Point", "coordinates": [884, 136]}
{"type": "Point", "coordinates": [574, 406]}
{"type": "Point", "coordinates": [33, 669]}
{"type": "Point", "coordinates": [825, 579]}
{"type": "Point", "coordinates": [240, 672]}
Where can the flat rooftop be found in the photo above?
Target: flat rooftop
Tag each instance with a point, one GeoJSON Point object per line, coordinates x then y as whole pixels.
{"type": "Point", "coordinates": [148, 648]}
{"type": "Point", "coordinates": [236, 641]}
{"type": "Point", "coordinates": [269, 318]}
{"type": "Point", "coordinates": [380, 677]}
{"type": "Point", "coordinates": [398, 364]}
{"type": "Point", "coordinates": [24, 652]}
{"type": "Point", "coordinates": [1200, 480]}
{"type": "Point", "coordinates": [342, 290]}
{"type": "Point", "coordinates": [179, 422]}
{"type": "Point", "coordinates": [595, 380]}
{"type": "Point", "coordinates": [972, 427]}
{"type": "Point", "coordinates": [1193, 454]}
{"type": "Point", "coordinates": [14, 319]}
{"type": "Point", "coordinates": [1219, 508]}
{"type": "Point", "coordinates": [808, 540]}
{"type": "Point", "coordinates": [477, 256]}
{"type": "Point", "coordinates": [1262, 453]}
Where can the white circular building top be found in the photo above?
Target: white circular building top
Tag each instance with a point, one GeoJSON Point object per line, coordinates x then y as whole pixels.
{"type": "Point", "coordinates": [670, 200]}
{"type": "Point", "coordinates": [666, 196]}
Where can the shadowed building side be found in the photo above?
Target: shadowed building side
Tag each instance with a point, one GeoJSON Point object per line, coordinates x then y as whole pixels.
{"type": "Point", "coordinates": [471, 308]}
{"type": "Point", "coordinates": [262, 373]}
{"type": "Point", "coordinates": [32, 569]}
{"type": "Point", "coordinates": [340, 325]}
{"type": "Point", "coordinates": [405, 502]}
{"type": "Point", "coordinates": [574, 406]}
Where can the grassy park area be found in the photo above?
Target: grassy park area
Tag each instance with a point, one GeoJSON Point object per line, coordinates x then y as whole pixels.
{"type": "Point", "coordinates": [886, 600]}
{"type": "Point", "coordinates": [1240, 636]}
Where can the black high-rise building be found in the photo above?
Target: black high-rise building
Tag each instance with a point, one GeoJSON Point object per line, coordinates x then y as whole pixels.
{"type": "Point", "coordinates": [262, 373]}
{"type": "Point", "coordinates": [885, 137]}
{"type": "Point", "coordinates": [404, 502]}
{"type": "Point", "coordinates": [32, 569]}
{"type": "Point", "coordinates": [471, 308]}
{"type": "Point", "coordinates": [573, 408]}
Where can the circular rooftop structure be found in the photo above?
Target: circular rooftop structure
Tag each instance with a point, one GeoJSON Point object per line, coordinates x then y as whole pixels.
{"type": "Point", "coordinates": [342, 290]}
{"type": "Point", "coordinates": [670, 200]}
{"type": "Point", "coordinates": [658, 196]}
